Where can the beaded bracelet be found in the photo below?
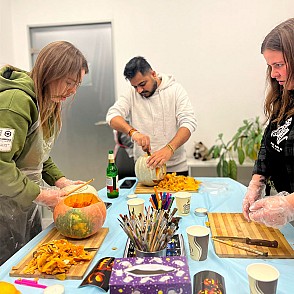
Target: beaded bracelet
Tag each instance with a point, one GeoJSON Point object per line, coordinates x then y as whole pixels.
{"type": "Point", "coordinates": [131, 132]}
{"type": "Point", "coordinates": [171, 148]}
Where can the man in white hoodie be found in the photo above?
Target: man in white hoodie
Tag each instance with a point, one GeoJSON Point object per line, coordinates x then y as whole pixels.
{"type": "Point", "coordinates": [160, 114]}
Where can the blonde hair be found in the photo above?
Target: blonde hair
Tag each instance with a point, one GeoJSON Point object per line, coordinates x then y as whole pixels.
{"type": "Point", "coordinates": [279, 103]}
{"type": "Point", "coordinates": [57, 60]}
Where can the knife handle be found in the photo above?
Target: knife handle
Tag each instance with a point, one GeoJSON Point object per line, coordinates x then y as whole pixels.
{"type": "Point", "coordinates": [267, 243]}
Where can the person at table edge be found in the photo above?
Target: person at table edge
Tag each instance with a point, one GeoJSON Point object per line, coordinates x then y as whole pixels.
{"type": "Point", "coordinates": [30, 107]}
{"type": "Point", "coordinates": [160, 114]}
{"type": "Point", "coordinates": [276, 156]}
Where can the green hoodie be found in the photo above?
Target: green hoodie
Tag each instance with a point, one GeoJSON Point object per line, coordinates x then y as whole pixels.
{"type": "Point", "coordinates": [18, 114]}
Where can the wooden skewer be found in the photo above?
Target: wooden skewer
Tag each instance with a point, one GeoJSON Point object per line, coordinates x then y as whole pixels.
{"type": "Point", "coordinates": [241, 247]}
{"type": "Point", "coordinates": [79, 187]}
{"type": "Point", "coordinates": [157, 229]}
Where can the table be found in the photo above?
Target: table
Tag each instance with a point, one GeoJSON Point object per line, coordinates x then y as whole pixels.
{"type": "Point", "coordinates": [217, 195]}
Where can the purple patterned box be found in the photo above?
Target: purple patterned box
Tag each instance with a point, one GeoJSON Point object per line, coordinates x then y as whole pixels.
{"type": "Point", "coordinates": [162, 275]}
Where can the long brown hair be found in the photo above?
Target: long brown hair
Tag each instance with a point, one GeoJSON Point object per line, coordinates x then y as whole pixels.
{"type": "Point", "coordinates": [57, 60]}
{"type": "Point", "coordinates": [279, 102]}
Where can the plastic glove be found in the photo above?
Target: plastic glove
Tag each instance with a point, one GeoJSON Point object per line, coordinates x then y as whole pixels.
{"type": "Point", "coordinates": [255, 191]}
{"type": "Point", "coordinates": [63, 182]}
{"type": "Point", "coordinates": [49, 197]}
{"type": "Point", "coordinates": [273, 211]}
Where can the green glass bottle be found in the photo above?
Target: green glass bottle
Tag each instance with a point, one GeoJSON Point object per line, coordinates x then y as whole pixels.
{"type": "Point", "coordinates": [111, 177]}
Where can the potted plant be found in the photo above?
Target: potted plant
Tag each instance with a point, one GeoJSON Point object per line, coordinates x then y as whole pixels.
{"type": "Point", "coordinates": [244, 144]}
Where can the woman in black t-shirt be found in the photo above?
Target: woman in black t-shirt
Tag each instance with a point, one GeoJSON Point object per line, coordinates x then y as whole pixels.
{"type": "Point", "coordinates": [276, 156]}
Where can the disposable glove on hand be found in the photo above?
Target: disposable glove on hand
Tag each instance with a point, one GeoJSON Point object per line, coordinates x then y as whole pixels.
{"type": "Point", "coordinates": [255, 191]}
{"type": "Point", "coordinates": [49, 197]}
{"type": "Point", "coordinates": [273, 211]}
{"type": "Point", "coordinates": [63, 182]}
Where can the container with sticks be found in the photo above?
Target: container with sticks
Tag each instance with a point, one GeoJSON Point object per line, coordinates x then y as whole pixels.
{"type": "Point", "coordinates": [150, 232]}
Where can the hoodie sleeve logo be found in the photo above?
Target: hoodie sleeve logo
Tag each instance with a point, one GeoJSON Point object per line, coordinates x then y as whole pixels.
{"type": "Point", "coordinates": [6, 139]}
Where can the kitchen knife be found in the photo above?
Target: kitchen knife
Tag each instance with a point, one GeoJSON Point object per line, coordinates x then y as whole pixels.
{"type": "Point", "coordinates": [230, 243]}
{"type": "Point", "coordinates": [249, 241]}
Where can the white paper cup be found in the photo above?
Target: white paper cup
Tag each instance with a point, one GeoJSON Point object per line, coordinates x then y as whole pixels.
{"type": "Point", "coordinates": [263, 278]}
{"type": "Point", "coordinates": [136, 205]}
{"type": "Point", "coordinates": [198, 237]}
{"type": "Point", "coordinates": [131, 196]}
{"type": "Point", "coordinates": [183, 200]}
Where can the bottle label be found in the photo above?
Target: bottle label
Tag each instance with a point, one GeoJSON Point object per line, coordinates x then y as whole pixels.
{"type": "Point", "coordinates": [112, 184]}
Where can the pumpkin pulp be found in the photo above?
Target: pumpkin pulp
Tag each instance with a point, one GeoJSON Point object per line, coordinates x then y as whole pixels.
{"type": "Point", "coordinates": [77, 202]}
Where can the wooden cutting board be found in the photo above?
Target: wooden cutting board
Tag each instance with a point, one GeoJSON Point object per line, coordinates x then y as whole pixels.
{"type": "Point", "coordinates": [234, 224]}
{"type": "Point", "coordinates": [142, 189]}
{"type": "Point", "coordinates": [76, 271]}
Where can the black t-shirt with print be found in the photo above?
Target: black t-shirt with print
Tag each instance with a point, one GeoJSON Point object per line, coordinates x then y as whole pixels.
{"type": "Point", "coordinates": [275, 142]}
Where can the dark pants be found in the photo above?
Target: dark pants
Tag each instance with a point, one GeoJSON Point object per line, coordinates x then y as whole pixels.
{"type": "Point", "coordinates": [125, 164]}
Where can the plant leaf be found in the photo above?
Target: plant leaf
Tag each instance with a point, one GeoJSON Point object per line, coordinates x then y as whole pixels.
{"type": "Point", "coordinates": [216, 152]}
{"type": "Point", "coordinates": [233, 169]}
{"type": "Point", "coordinates": [241, 155]}
{"type": "Point", "coordinates": [250, 150]}
{"type": "Point", "coordinates": [254, 154]}
{"type": "Point", "coordinates": [225, 169]}
{"type": "Point", "coordinates": [219, 168]}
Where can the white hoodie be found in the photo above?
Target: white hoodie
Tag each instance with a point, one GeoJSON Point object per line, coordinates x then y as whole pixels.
{"type": "Point", "coordinates": [159, 116]}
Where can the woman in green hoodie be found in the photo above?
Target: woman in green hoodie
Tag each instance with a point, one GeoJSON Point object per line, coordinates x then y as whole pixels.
{"type": "Point", "coordinates": [30, 120]}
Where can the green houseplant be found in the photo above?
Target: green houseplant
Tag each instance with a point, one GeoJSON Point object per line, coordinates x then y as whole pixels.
{"type": "Point", "coordinates": [244, 144]}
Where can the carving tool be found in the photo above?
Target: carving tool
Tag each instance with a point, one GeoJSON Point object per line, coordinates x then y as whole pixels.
{"type": "Point", "coordinates": [79, 187]}
{"type": "Point", "coordinates": [30, 283]}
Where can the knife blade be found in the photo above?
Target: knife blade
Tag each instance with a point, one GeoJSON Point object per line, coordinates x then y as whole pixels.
{"type": "Point", "coordinates": [249, 241]}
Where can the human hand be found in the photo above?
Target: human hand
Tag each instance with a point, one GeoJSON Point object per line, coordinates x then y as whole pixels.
{"type": "Point", "coordinates": [49, 197]}
{"type": "Point", "coordinates": [273, 211]}
{"type": "Point", "coordinates": [159, 157]}
{"type": "Point", "coordinates": [63, 182]}
{"type": "Point", "coordinates": [142, 140]}
{"type": "Point", "coordinates": [254, 192]}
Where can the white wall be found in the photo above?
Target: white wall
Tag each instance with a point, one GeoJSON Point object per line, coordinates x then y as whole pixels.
{"type": "Point", "coordinates": [212, 47]}
{"type": "Point", "coordinates": [6, 45]}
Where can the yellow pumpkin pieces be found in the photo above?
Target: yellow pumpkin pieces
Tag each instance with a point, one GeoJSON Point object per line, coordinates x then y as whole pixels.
{"type": "Point", "coordinates": [56, 257]}
{"type": "Point", "coordinates": [172, 182]}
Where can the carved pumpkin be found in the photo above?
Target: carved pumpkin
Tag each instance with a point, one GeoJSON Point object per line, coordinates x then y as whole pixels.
{"type": "Point", "coordinates": [79, 216]}
{"type": "Point", "coordinates": [146, 175]}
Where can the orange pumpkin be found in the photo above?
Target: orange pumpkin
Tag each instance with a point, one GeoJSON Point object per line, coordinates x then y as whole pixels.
{"type": "Point", "coordinates": [79, 216]}
{"type": "Point", "coordinates": [146, 175]}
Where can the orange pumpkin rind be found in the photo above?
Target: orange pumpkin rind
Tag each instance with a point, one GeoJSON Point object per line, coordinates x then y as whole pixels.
{"type": "Point", "coordinates": [79, 216]}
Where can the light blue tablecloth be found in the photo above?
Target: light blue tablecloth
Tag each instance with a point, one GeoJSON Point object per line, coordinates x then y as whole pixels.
{"type": "Point", "coordinates": [217, 195]}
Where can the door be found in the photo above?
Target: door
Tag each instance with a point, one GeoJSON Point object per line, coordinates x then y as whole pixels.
{"type": "Point", "coordinates": [82, 147]}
